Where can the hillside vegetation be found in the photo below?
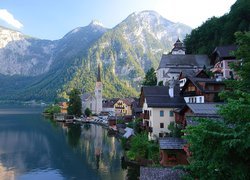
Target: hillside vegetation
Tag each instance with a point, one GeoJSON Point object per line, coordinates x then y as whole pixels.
{"type": "Point", "coordinates": [219, 31]}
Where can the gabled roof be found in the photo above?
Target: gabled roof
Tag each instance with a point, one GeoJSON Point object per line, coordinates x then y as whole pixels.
{"type": "Point", "coordinates": [196, 80]}
{"type": "Point", "coordinates": [172, 143]}
{"type": "Point", "coordinates": [109, 103]}
{"type": "Point", "coordinates": [158, 96]}
{"type": "Point", "coordinates": [225, 51]}
{"type": "Point", "coordinates": [170, 60]}
{"type": "Point", "coordinates": [86, 96]}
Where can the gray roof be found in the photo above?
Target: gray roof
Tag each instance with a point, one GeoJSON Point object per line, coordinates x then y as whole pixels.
{"type": "Point", "coordinates": [172, 143]}
{"type": "Point", "coordinates": [158, 96]}
{"type": "Point", "coordinates": [204, 108]}
{"type": "Point", "coordinates": [86, 96]}
{"type": "Point", "coordinates": [225, 51]}
{"type": "Point", "coordinates": [165, 101]}
{"type": "Point", "coordinates": [159, 173]}
{"type": "Point", "coordinates": [188, 60]}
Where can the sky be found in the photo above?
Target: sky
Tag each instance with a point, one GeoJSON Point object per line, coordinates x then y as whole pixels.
{"type": "Point", "coordinates": [52, 19]}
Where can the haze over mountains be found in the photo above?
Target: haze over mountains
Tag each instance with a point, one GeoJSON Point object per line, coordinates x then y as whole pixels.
{"type": "Point", "coordinates": [34, 69]}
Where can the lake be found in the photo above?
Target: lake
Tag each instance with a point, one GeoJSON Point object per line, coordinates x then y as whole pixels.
{"type": "Point", "coordinates": [33, 147]}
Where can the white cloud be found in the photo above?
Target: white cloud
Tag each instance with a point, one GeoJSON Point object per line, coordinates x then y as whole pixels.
{"type": "Point", "coordinates": [9, 18]}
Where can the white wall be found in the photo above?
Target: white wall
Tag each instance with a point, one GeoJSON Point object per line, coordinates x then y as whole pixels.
{"type": "Point", "coordinates": [194, 99]}
{"type": "Point", "coordinates": [155, 119]}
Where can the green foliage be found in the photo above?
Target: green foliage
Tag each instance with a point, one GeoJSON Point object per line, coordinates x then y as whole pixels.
{"type": "Point", "coordinates": [219, 31]}
{"type": "Point", "coordinates": [87, 112]}
{"type": "Point", "coordinates": [52, 109]}
{"type": "Point", "coordinates": [150, 78]}
{"type": "Point", "coordinates": [220, 148]}
{"type": "Point", "coordinates": [136, 125]}
{"type": "Point", "coordinates": [218, 151]}
{"type": "Point", "coordinates": [160, 83]}
{"type": "Point", "coordinates": [175, 130]}
{"type": "Point", "coordinates": [120, 121]}
{"type": "Point", "coordinates": [75, 103]}
{"type": "Point", "coordinates": [141, 148]}
{"type": "Point", "coordinates": [243, 53]}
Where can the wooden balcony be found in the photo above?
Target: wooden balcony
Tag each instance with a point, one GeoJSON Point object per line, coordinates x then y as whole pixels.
{"type": "Point", "coordinates": [189, 93]}
{"type": "Point", "coordinates": [144, 115]}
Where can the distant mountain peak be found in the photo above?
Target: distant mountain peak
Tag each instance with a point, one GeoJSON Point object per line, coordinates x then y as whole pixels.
{"type": "Point", "coordinates": [96, 23]}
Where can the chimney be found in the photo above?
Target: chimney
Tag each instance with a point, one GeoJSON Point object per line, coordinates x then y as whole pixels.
{"type": "Point", "coordinates": [171, 88]}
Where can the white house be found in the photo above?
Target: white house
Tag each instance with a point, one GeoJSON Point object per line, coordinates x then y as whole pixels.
{"type": "Point", "coordinates": [158, 104]}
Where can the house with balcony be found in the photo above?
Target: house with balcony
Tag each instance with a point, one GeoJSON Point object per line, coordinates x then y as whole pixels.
{"type": "Point", "coordinates": [221, 58]}
{"type": "Point", "coordinates": [158, 104]}
{"type": "Point", "coordinates": [201, 89]}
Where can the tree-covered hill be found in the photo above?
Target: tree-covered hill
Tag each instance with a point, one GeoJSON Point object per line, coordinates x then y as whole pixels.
{"type": "Point", "coordinates": [219, 31]}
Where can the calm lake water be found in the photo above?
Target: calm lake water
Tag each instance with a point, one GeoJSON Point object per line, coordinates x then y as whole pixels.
{"type": "Point", "coordinates": [35, 148]}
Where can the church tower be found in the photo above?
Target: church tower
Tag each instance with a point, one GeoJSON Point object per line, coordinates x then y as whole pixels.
{"type": "Point", "coordinates": [98, 91]}
{"type": "Point", "coordinates": [179, 48]}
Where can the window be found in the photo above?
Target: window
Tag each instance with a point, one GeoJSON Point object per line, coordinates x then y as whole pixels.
{"type": "Point", "coordinates": [161, 125]}
{"type": "Point", "coordinates": [171, 113]}
{"type": "Point", "coordinates": [150, 113]}
{"type": "Point", "coordinates": [200, 99]}
{"type": "Point", "coordinates": [161, 113]}
{"type": "Point", "coordinates": [160, 135]}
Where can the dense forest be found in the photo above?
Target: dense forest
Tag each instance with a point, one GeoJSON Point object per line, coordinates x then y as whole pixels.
{"type": "Point", "coordinates": [219, 31]}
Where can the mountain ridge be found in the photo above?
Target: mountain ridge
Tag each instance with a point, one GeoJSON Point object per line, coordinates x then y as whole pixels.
{"type": "Point", "coordinates": [126, 52]}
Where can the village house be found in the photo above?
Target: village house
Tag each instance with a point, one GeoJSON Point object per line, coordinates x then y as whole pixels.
{"type": "Point", "coordinates": [108, 106]}
{"type": "Point", "coordinates": [221, 57]}
{"type": "Point", "coordinates": [201, 89]}
{"type": "Point", "coordinates": [118, 106]}
{"type": "Point", "coordinates": [185, 115]}
{"type": "Point", "coordinates": [172, 151]}
{"type": "Point", "coordinates": [158, 104]}
{"type": "Point", "coordinates": [171, 65]}
{"type": "Point", "coordinates": [64, 107]}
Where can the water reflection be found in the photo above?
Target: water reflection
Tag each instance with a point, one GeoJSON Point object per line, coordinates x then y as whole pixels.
{"type": "Point", "coordinates": [74, 134]}
{"type": "Point", "coordinates": [32, 147]}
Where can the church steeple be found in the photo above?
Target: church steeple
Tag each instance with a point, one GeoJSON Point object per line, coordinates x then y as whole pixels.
{"type": "Point", "coordinates": [99, 74]}
{"type": "Point", "coordinates": [179, 47]}
{"type": "Point", "coordinates": [98, 91]}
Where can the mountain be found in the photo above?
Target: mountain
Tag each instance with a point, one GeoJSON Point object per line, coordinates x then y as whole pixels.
{"type": "Point", "coordinates": [129, 49]}
{"type": "Point", "coordinates": [43, 69]}
{"type": "Point", "coordinates": [218, 31]}
{"type": "Point", "coordinates": [23, 55]}
{"type": "Point", "coordinates": [63, 62]}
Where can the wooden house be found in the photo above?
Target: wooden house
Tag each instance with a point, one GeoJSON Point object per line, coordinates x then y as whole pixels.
{"type": "Point", "coordinates": [172, 151]}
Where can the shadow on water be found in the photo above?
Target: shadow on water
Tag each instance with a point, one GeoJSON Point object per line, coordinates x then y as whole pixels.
{"type": "Point", "coordinates": [74, 135]}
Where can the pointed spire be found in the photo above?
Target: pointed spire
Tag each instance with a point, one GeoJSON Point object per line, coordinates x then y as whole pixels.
{"type": "Point", "coordinates": [99, 74]}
